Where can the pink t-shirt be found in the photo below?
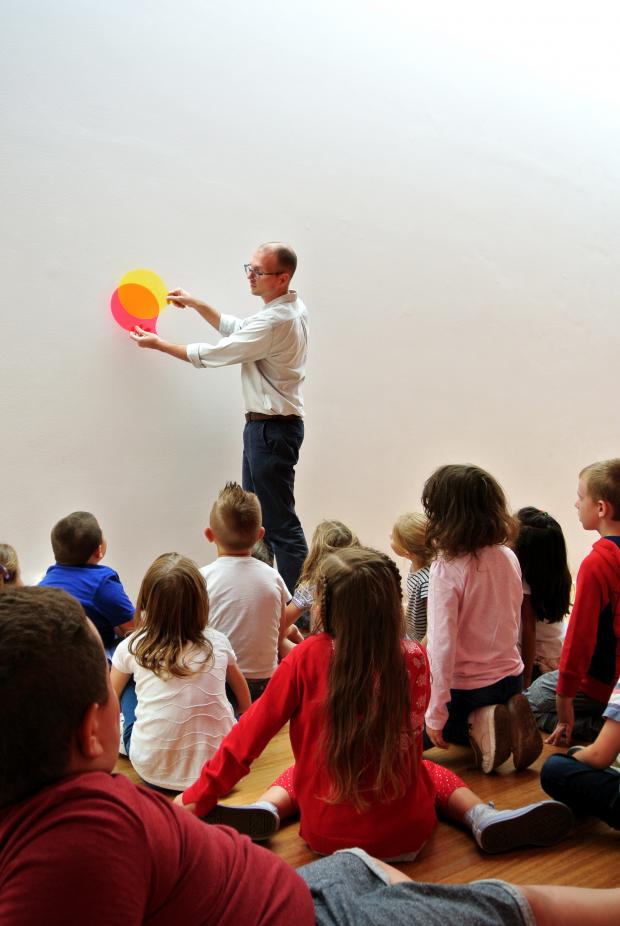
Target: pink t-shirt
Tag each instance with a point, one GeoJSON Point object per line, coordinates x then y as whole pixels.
{"type": "Point", "coordinates": [474, 614]}
{"type": "Point", "coordinates": [95, 849]}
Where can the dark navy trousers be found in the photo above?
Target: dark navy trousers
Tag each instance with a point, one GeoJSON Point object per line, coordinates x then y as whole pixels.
{"type": "Point", "coordinates": [270, 454]}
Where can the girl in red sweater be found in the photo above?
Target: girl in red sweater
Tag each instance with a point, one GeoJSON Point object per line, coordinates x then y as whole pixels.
{"type": "Point", "coordinates": [355, 693]}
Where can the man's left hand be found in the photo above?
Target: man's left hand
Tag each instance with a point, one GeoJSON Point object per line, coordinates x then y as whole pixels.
{"type": "Point", "coordinates": [144, 338]}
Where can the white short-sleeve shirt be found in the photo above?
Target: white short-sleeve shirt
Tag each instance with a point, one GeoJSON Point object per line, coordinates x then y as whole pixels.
{"type": "Point", "coordinates": [247, 600]}
{"type": "Point", "coordinates": [180, 722]}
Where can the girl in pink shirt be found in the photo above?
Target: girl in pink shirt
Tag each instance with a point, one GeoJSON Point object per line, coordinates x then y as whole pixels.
{"type": "Point", "coordinates": [474, 611]}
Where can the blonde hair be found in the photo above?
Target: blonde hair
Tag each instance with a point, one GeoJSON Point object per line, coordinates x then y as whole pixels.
{"type": "Point", "coordinates": [603, 482]}
{"type": "Point", "coordinates": [173, 609]}
{"type": "Point", "coordinates": [328, 536]}
{"type": "Point", "coordinates": [409, 532]}
{"type": "Point", "coordinates": [9, 566]}
{"type": "Point", "coordinates": [236, 518]}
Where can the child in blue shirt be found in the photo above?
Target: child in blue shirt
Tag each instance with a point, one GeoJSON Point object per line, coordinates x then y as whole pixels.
{"type": "Point", "coordinates": [79, 547]}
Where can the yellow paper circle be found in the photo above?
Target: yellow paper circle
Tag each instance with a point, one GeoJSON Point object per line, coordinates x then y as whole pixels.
{"type": "Point", "coordinates": [149, 280]}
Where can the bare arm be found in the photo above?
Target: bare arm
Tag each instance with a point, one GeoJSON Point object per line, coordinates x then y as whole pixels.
{"type": "Point", "coordinates": [528, 639]}
{"type": "Point", "coordinates": [145, 338]}
{"type": "Point", "coordinates": [119, 680]}
{"type": "Point", "coordinates": [605, 748]}
{"type": "Point", "coordinates": [239, 686]}
{"type": "Point", "coordinates": [182, 300]}
{"type": "Point", "coordinates": [293, 612]}
{"type": "Point", "coordinates": [561, 736]}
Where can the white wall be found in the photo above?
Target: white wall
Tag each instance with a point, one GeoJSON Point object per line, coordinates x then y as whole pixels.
{"type": "Point", "coordinates": [450, 179]}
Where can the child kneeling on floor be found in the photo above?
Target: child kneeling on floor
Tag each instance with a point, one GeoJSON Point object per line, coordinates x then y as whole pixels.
{"type": "Point", "coordinates": [474, 614]}
{"type": "Point", "coordinates": [355, 694]}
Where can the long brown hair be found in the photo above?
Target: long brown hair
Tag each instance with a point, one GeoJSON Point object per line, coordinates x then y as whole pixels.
{"type": "Point", "coordinates": [466, 510]}
{"type": "Point", "coordinates": [369, 741]}
{"type": "Point", "coordinates": [173, 609]}
{"type": "Point", "coordinates": [327, 537]}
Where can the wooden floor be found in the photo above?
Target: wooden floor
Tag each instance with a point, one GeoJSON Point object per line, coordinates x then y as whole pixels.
{"type": "Point", "coordinates": [590, 857]}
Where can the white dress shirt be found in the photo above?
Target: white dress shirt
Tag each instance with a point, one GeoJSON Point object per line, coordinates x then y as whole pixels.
{"type": "Point", "coordinates": [271, 347]}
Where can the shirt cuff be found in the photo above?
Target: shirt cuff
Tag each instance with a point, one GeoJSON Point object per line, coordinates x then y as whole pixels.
{"type": "Point", "coordinates": [436, 719]}
{"type": "Point", "coordinates": [193, 354]}
{"type": "Point", "coordinates": [567, 685]}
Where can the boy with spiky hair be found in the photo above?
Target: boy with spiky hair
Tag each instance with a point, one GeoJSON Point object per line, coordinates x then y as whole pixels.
{"type": "Point", "coordinates": [79, 546]}
{"type": "Point", "coordinates": [570, 701]}
{"type": "Point", "coordinates": [247, 598]}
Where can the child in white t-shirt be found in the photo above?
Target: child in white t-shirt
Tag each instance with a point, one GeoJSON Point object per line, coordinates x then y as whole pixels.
{"type": "Point", "coordinates": [408, 540]}
{"type": "Point", "coordinates": [175, 711]}
{"type": "Point", "coordinates": [247, 598]}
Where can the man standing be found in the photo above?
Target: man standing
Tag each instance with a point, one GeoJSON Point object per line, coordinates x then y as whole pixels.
{"type": "Point", "coordinates": [271, 347]}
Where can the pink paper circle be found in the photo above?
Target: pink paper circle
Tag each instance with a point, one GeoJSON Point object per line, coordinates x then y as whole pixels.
{"type": "Point", "coordinates": [127, 321]}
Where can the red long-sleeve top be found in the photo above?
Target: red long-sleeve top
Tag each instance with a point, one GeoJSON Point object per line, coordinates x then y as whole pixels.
{"type": "Point", "coordinates": [590, 660]}
{"type": "Point", "coordinates": [298, 692]}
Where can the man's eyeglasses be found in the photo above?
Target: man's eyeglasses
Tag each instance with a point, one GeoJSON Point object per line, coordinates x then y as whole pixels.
{"type": "Point", "coordinates": [251, 271]}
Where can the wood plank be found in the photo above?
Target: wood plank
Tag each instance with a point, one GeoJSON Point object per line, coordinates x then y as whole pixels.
{"type": "Point", "coordinates": [587, 858]}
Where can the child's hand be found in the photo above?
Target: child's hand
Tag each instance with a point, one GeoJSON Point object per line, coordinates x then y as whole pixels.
{"type": "Point", "coordinates": [191, 808]}
{"type": "Point", "coordinates": [144, 338]}
{"type": "Point", "coordinates": [295, 635]}
{"type": "Point", "coordinates": [436, 737]}
{"type": "Point", "coordinates": [561, 736]}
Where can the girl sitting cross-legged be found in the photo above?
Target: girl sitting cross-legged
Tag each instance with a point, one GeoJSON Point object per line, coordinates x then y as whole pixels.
{"type": "Point", "coordinates": [170, 676]}
{"type": "Point", "coordinates": [355, 693]}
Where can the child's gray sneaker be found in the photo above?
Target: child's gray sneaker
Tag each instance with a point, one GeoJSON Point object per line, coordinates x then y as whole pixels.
{"type": "Point", "coordinates": [540, 824]}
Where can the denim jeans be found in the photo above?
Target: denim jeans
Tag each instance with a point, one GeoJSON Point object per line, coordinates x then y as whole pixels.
{"type": "Point", "coordinates": [588, 712]}
{"type": "Point", "coordinates": [586, 790]}
{"type": "Point", "coordinates": [129, 702]}
{"type": "Point", "coordinates": [270, 453]}
{"type": "Point", "coordinates": [463, 701]}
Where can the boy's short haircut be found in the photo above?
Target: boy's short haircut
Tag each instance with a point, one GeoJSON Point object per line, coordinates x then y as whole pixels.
{"type": "Point", "coordinates": [75, 538]}
{"type": "Point", "coordinates": [236, 518]}
{"type": "Point", "coordinates": [603, 482]}
{"type": "Point", "coordinates": [52, 668]}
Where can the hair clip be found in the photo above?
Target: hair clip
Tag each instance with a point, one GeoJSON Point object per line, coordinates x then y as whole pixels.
{"type": "Point", "coordinates": [6, 575]}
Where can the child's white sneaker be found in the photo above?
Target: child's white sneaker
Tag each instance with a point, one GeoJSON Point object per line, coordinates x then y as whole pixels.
{"type": "Point", "coordinates": [489, 736]}
{"type": "Point", "coordinates": [540, 824]}
{"type": "Point", "coordinates": [259, 821]}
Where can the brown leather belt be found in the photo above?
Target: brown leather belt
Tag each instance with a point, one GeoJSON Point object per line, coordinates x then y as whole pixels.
{"type": "Point", "coordinates": [258, 416]}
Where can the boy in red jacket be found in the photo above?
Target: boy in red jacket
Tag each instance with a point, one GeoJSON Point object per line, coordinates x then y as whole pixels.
{"type": "Point", "coordinates": [570, 701]}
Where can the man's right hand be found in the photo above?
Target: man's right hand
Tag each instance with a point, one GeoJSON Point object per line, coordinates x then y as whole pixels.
{"type": "Point", "coordinates": [181, 299]}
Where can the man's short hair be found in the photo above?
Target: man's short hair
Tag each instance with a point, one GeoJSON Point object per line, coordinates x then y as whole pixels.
{"type": "Point", "coordinates": [603, 482]}
{"type": "Point", "coordinates": [286, 257]}
{"type": "Point", "coordinates": [236, 517]}
{"type": "Point", "coordinates": [52, 668]}
{"type": "Point", "coordinates": [75, 538]}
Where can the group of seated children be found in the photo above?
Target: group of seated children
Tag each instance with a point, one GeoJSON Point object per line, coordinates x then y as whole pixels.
{"type": "Point", "coordinates": [363, 696]}
{"type": "Point", "coordinates": [81, 845]}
